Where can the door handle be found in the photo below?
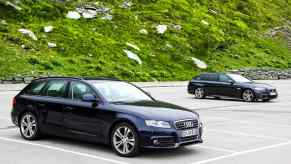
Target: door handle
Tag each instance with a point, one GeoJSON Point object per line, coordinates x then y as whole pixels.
{"type": "Point", "coordinates": [69, 108]}
{"type": "Point", "coordinates": [41, 105]}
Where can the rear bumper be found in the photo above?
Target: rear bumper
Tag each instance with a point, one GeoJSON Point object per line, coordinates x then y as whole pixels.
{"type": "Point", "coordinates": [191, 89]}
{"type": "Point", "coordinates": [14, 119]}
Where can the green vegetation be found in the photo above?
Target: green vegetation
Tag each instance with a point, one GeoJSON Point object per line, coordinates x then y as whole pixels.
{"type": "Point", "coordinates": [226, 34]}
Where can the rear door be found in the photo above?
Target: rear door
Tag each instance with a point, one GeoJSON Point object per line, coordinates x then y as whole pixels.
{"type": "Point", "coordinates": [210, 82]}
{"type": "Point", "coordinates": [50, 104]}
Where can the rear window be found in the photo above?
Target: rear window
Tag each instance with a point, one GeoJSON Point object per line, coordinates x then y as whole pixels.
{"type": "Point", "coordinates": [196, 78]}
{"type": "Point", "coordinates": [35, 88]}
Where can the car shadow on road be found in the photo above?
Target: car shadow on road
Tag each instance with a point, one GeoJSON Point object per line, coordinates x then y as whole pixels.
{"type": "Point", "coordinates": [229, 99]}
{"type": "Point", "coordinates": [168, 153]}
{"type": "Point", "coordinates": [92, 148]}
{"type": "Point", "coordinates": [145, 153]}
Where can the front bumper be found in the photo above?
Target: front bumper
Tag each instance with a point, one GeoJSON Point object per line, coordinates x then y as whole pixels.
{"type": "Point", "coordinates": [266, 95]}
{"type": "Point", "coordinates": [170, 139]}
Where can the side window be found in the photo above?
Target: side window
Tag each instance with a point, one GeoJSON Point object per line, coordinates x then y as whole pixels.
{"type": "Point", "coordinates": [212, 77]}
{"type": "Point", "coordinates": [56, 88]}
{"type": "Point", "coordinates": [224, 78]}
{"type": "Point", "coordinates": [78, 90]}
{"type": "Point", "coordinates": [197, 78]}
{"type": "Point", "coordinates": [204, 77]}
{"type": "Point", "coordinates": [35, 88]}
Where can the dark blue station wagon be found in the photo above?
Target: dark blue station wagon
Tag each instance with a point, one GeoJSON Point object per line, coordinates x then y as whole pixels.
{"type": "Point", "coordinates": [103, 110]}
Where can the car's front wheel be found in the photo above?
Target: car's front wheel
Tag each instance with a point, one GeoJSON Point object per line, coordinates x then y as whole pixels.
{"type": "Point", "coordinates": [29, 127]}
{"type": "Point", "coordinates": [248, 95]}
{"type": "Point", "coordinates": [124, 140]}
{"type": "Point", "coordinates": [199, 93]}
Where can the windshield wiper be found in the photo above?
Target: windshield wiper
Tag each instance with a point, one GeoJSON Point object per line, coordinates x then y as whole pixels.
{"type": "Point", "coordinates": [120, 102]}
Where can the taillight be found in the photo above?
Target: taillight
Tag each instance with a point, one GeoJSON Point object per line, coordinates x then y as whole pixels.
{"type": "Point", "coordinates": [13, 102]}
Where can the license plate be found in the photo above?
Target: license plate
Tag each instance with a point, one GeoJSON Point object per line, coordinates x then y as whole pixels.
{"type": "Point", "coordinates": [273, 93]}
{"type": "Point", "coordinates": [188, 133]}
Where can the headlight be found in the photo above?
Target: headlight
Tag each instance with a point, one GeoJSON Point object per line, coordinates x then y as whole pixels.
{"type": "Point", "coordinates": [199, 122]}
{"type": "Point", "coordinates": [260, 89]}
{"type": "Point", "coordinates": [159, 124]}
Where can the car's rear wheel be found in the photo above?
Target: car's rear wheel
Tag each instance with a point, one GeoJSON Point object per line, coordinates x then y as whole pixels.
{"type": "Point", "coordinates": [124, 140]}
{"type": "Point", "coordinates": [29, 127]}
{"type": "Point", "coordinates": [199, 93]}
{"type": "Point", "coordinates": [248, 95]}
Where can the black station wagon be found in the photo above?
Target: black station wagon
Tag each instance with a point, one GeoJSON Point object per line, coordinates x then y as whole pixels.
{"type": "Point", "coordinates": [230, 85]}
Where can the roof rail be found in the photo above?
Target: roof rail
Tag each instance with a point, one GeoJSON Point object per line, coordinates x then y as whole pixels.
{"type": "Point", "coordinates": [57, 77]}
{"type": "Point", "coordinates": [77, 78]}
{"type": "Point", "coordinates": [100, 78]}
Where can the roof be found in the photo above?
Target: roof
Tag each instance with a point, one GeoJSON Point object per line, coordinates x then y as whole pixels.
{"type": "Point", "coordinates": [212, 73]}
{"type": "Point", "coordinates": [79, 78]}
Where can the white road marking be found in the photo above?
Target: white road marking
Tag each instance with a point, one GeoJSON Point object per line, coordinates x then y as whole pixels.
{"type": "Point", "coordinates": [243, 152]}
{"type": "Point", "coordinates": [245, 134]}
{"type": "Point", "coordinates": [215, 148]}
{"type": "Point", "coordinates": [9, 129]}
{"type": "Point", "coordinates": [4, 118]}
{"type": "Point", "coordinates": [62, 150]}
{"type": "Point", "coordinates": [247, 122]}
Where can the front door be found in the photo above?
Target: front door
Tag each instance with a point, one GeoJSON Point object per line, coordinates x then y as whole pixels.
{"type": "Point", "coordinates": [226, 86]}
{"type": "Point", "coordinates": [80, 117]}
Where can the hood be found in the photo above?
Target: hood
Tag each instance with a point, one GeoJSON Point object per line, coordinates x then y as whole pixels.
{"type": "Point", "coordinates": [258, 85]}
{"type": "Point", "coordinates": [155, 110]}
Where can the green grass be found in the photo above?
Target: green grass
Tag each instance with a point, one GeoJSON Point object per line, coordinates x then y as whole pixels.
{"type": "Point", "coordinates": [233, 39]}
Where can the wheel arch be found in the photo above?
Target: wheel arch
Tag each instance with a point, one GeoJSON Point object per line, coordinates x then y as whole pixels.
{"type": "Point", "coordinates": [244, 89]}
{"type": "Point", "coordinates": [119, 121]}
{"type": "Point", "coordinates": [25, 111]}
{"type": "Point", "coordinates": [28, 108]}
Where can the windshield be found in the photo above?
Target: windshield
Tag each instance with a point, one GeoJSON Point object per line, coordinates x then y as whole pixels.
{"type": "Point", "coordinates": [116, 91]}
{"type": "Point", "coordinates": [239, 78]}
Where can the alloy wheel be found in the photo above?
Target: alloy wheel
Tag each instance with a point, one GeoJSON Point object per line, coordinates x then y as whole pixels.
{"type": "Point", "coordinates": [248, 95]}
{"type": "Point", "coordinates": [124, 140]}
{"type": "Point", "coordinates": [28, 126]}
{"type": "Point", "coordinates": [199, 93]}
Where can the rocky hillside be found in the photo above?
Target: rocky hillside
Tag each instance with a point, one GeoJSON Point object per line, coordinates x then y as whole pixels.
{"type": "Point", "coordinates": [142, 40]}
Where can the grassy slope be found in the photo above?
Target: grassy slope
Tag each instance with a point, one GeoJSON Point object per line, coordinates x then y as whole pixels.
{"type": "Point", "coordinates": [93, 47]}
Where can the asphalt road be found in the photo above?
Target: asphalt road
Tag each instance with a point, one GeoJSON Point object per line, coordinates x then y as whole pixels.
{"type": "Point", "coordinates": [236, 132]}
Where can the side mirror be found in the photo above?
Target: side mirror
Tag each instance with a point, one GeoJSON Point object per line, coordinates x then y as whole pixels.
{"type": "Point", "coordinates": [89, 98]}
{"type": "Point", "coordinates": [231, 82]}
{"type": "Point", "coordinates": [149, 93]}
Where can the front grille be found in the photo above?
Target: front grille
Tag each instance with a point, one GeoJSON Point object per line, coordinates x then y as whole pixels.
{"type": "Point", "coordinates": [191, 138]}
{"type": "Point", "coordinates": [186, 124]}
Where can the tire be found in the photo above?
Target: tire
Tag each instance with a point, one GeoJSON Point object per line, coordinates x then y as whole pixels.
{"type": "Point", "coordinates": [266, 100]}
{"type": "Point", "coordinates": [125, 140]}
{"type": "Point", "coordinates": [248, 95]}
{"type": "Point", "coordinates": [199, 93]}
{"type": "Point", "coordinates": [29, 126]}
{"type": "Point", "coordinates": [217, 98]}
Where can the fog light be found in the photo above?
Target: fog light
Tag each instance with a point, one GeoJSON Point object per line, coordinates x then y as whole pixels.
{"type": "Point", "coordinates": [156, 142]}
